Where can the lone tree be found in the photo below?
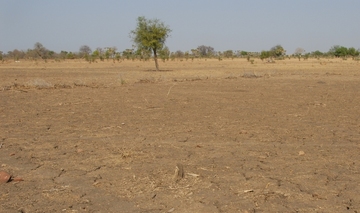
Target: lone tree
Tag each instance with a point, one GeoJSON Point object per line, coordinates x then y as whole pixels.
{"type": "Point", "coordinates": [150, 35]}
{"type": "Point", "coordinates": [277, 51]}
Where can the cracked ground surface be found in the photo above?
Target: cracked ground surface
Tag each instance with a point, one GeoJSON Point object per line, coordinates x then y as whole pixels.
{"type": "Point", "coordinates": [109, 137]}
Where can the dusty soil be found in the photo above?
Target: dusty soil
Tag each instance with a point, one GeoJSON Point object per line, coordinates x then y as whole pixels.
{"type": "Point", "coordinates": [202, 136]}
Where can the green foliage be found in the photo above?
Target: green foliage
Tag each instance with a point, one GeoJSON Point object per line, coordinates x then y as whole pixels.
{"type": "Point", "coordinates": [63, 54]}
{"type": "Point", "coordinates": [142, 54]}
{"type": "Point", "coordinates": [353, 52]}
{"type": "Point", "coordinates": [228, 54]}
{"type": "Point", "coordinates": [70, 55]}
{"type": "Point", "coordinates": [195, 53]}
{"type": "Point", "coordinates": [107, 55]}
{"type": "Point", "coordinates": [150, 35]}
{"type": "Point", "coordinates": [88, 58]}
{"type": "Point", "coordinates": [243, 53]}
{"type": "Point", "coordinates": [277, 51]}
{"type": "Point", "coordinates": [128, 53]}
{"type": "Point", "coordinates": [95, 54]}
{"type": "Point", "coordinates": [118, 56]}
{"type": "Point", "coordinates": [264, 54]}
{"type": "Point", "coordinates": [187, 55]}
{"type": "Point", "coordinates": [51, 54]}
{"type": "Point", "coordinates": [340, 51]}
{"type": "Point", "coordinates": [317, 54]}
{"type": "Point", "coordinates": [306, 56]}
{"type": "Point", "coordinates": [110, 53]}
{"type": "Point", "coordinates": [164, 54]}
{"type": "Point", "coordinates": [98, 54]}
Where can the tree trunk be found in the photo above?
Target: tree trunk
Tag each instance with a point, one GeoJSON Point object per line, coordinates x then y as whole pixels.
{"type": "Point", "coordinates": [156, 61]}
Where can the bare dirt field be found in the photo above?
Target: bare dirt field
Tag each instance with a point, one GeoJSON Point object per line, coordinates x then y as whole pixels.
{"type": "Point", "coordinates": [200, 136]}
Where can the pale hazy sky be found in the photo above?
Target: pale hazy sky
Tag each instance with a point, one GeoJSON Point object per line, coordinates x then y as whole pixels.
{"type": "Point", "coordinates": [228, 24]}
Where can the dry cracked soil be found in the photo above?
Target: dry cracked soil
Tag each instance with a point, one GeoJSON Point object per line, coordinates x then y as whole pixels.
{"type": "Point", "coordinates": [201, 136]}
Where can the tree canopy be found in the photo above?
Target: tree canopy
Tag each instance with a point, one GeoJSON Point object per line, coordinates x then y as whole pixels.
{"type": "Point", "coordinates": [340, 51]}
{"type": "Point", "coordinates": [150, 35]}
{"type": "Point", "coordinates": [277, 51]}
{"type": "Point", "coordinates": [84, 50]}
{"type": "Point", "coordinates": [206, 51]}
{"type": "Point", "coordinates": [41, 51]}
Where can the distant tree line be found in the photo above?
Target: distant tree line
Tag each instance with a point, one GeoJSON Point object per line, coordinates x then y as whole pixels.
{"type": "Point", "coordinates": [39, 52]}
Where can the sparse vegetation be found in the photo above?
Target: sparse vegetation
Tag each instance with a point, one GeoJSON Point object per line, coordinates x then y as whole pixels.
{"type": "Point", "coordinates": [299, 52]}
{"type": "Point", "coordinates": [264, 55]}
{"type": "Point", "coordinates": [149, 38]}
{"type": "Point", "coordinates": [204, 51]}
